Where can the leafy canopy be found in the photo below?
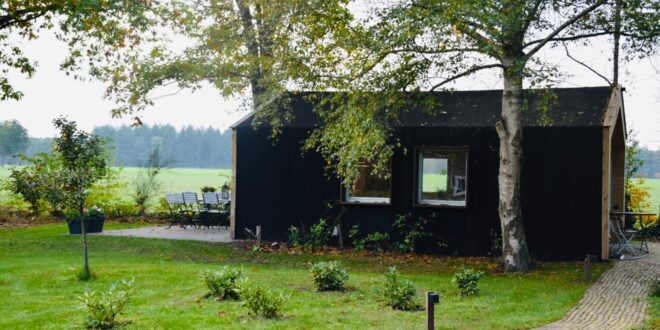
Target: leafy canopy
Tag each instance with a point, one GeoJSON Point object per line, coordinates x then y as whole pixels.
{"type": "Point", "coordinates": [96, 32]}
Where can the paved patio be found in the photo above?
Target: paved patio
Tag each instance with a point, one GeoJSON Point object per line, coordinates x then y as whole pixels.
{"type": "Point", "coordinates": [189, 233]}
{"type": "Point", "coordinates": [619, 299]}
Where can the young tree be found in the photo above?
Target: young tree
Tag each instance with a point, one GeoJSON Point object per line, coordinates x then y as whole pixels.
{"type": "Point", "coordinates": [84, 161]}
{"type": "Point", "coordinates": [147, 182]}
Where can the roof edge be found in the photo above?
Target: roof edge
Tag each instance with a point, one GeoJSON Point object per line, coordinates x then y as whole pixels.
{"type": "Point", "coordinates": [242, 120]}
{"type": "Point", "coordinates": [614, 108]}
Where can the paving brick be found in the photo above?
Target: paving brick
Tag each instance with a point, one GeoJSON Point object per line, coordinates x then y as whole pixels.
{"type": "Point", "coordinates": [618, 300]}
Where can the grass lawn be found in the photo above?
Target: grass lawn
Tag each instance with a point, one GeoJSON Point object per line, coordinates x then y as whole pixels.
{"type": "Point", "coordinates": [38, 288]}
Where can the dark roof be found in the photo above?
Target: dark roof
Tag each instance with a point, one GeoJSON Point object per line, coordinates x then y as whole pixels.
{"type": "Point", "coordinates": [569, 107]}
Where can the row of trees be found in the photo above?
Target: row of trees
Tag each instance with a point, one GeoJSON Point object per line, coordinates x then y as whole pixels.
{"type": "Point", "coordinates": [189, 147]}
{"type": "Point", "coordinates": [650, 167]}
{"type": "Point", "coordinates": [130, 146]}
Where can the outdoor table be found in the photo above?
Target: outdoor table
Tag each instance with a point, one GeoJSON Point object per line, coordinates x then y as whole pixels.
{"type": "Point", "coordinates": [637, 217]}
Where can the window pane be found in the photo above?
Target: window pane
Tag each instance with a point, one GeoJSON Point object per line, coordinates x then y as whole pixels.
{"type": "Point", "coordinates": [369, 188]}
{"type": "Point", "coordinates": [442, 176]}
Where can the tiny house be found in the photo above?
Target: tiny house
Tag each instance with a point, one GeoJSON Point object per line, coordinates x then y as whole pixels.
{"type": "Point", "coordinates": [573, 173]}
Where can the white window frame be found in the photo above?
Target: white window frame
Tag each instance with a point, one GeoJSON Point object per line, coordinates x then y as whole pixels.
{"type": "Point", "coordinates": [419, 199]}
{"type": "Point", "coordinates": [365, 200]}
{"type": "Point", "coordinates": [368, 200]}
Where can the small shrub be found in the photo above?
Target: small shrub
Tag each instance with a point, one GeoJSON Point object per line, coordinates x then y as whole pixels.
{"type": "Point", "coordinates": [261, 301]}
{"type": "Point", "coordinates": [207, 189]}
{"type": "Point", "coordinates": [222, 284]}
{"type": "Point", "coordinates": [297, 237]}
{"type": "Point", "coordinates": [467, 280]}
{"type": "Point", "coordinates": [103, 309]}
{"type": "Point", "coordinates": [399, 293]}
{"type": "Point", "coordinates": [411, 229]}
{"type": "Point", "coordinates": [375, 241]}
{"type": "Point", "coordinates": [320, 233]}
{"type": "Point", "coordinates": [329, 276]}
{"type": "Point", "coordinates": [318, 236]}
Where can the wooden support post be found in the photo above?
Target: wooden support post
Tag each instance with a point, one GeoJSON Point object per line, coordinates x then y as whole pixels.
{"type": "Point", "coordinates": [432, 298]}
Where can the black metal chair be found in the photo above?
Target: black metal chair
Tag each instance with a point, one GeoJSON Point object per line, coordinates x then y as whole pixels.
{"type": "Point", "coordinates": [192, 208]}
{"type": "Point", "coordinates": [175, 205]}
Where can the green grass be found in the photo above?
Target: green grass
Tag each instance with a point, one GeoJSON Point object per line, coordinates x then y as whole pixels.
{"type": "Point", "coordinates": [38, 286]}
{"type": "Point", "coordinates": [654, 318]}
{"type": "Point", "coordinates": [653, 186]}
{"type": "Point", "coordinates": [185, 179]}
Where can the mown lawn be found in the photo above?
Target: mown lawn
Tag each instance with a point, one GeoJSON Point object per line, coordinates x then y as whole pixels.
{"type": "Point", "coordinates": [38, 286]}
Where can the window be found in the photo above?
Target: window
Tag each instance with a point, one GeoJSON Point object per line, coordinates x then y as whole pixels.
{"type": "Point", "coordinates": [369, 188]}
{"type": "Point", "coordinates": [442, 176]}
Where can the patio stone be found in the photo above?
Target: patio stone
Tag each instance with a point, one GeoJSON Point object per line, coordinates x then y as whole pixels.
{"type": "Point", "coordinates": [177, 233]}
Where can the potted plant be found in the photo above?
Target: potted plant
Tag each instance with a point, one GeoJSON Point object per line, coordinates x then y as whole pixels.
{"type": "Point", "coordinates": [94, 220]}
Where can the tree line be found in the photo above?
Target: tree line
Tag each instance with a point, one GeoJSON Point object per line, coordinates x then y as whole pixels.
{"type": "Point", "coordinates": [189, 147]}
{"type": "Point", "coordinates": [650, 167]}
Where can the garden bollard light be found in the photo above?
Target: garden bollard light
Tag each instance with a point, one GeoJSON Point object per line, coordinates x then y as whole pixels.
{"type": "Point", "coordinates": [587, 267]}
{"type": "Point", "coordinates": [432, 298]}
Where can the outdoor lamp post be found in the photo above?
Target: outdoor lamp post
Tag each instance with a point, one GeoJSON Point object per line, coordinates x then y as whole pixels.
{"type": "Point", "coordinates": [224, 191]}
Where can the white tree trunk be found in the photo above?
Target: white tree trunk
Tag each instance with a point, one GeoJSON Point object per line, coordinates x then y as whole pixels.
{"type": "Point", "coordinates": [509, 129]}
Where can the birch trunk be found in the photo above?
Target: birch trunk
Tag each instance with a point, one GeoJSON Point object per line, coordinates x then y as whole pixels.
{"type": "Point", "coordinates": [509, 130]}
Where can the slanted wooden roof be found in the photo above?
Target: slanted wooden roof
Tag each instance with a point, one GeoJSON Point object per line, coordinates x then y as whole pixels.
{"type": "Point", "coordinates": [568, 107]}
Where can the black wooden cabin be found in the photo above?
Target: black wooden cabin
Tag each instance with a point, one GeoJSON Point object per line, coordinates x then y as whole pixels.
{"type": "Point", "coordinates": [572, 174]}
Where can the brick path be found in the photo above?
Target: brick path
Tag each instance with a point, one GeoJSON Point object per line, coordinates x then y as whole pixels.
{"type": "Point", "coordinates": [618, 300]}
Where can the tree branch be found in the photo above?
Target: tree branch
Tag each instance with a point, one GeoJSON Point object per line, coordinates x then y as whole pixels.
{"type": "Point", "coordinates": [571, 38]}
{"type": "Point", "coordinates": [479, 39]}
{"type": "Point", "coordinates": [562, 27]}
{"type": "Point", "coordinates": [465, 73]}
{"type": "Point", "coordinates": [585, 65]}
{"type": "Point", "coordinates": [531, 14]}
{"type": "Point", "coordinates": [385, 54]}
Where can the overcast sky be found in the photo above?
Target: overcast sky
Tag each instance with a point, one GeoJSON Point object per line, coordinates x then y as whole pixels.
{"type": "Point", "coordinates": [51, 93]}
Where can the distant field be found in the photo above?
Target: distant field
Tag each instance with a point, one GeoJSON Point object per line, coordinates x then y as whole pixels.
{"type": "Point", "coordinates": [173, 179]}
{"type": "Point", "coordinates": [185, 179]}
{"type": "Point", "coordinates": [654, 188]}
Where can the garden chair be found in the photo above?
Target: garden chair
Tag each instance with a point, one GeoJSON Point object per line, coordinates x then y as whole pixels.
{"type": "Point", "coordinates": [210, 213]}
{"type": "Point", "coordinates": [175, 205]}
{"type": "Point", "coordinates": [620, 239]}
{"type": "Point", "coordinates": [191, 206]}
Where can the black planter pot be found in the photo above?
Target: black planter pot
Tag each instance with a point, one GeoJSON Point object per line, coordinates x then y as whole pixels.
{"type": "Point", "coordinates": [94, 224]}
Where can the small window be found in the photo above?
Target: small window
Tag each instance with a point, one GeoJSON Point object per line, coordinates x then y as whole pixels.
{"type": "Point", "coordinates": [369, 188]}
{"type": "Point", "coordinates": [442, 176]}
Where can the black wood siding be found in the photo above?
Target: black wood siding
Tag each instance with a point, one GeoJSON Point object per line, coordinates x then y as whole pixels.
{"type": "Point", "coordinates": [279, 186]}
